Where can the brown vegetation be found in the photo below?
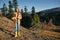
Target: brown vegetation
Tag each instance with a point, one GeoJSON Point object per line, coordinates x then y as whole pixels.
{"type": "Point", "coordinates": [7, 32]}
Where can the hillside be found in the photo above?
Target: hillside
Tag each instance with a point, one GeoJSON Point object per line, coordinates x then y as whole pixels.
{"type": "Point", "coordinates": [56, 9]}
{"type": "Point", "coordinates": [48, 14]}
{"type": "Point", "coordinates": [7, 32]}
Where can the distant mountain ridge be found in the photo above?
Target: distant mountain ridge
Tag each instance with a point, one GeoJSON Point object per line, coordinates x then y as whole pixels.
{"type": "Point", "coordinates": [57, 9]}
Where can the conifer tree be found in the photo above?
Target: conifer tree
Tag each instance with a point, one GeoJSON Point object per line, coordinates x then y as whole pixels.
{"type": "Point", "coordinates": [35, 17]}
{"type": "Point", "coordinates": [22, 11]}
{"type": "Point", "coordinates": [25, 9]}
{"type": "Point", "coordinates": [15, 3]}
{"type": "Point", "coordinates": [33, 10]}
{"type": "Point", "coordinates": [4, 10]}
{"type": "Point", "coordinates": [10, 14]}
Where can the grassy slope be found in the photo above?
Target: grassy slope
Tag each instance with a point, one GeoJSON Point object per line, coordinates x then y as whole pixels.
{"type": "Point", "coordinates": [7, 32]}
{"type": "Point", "coordinates": [50, 33]}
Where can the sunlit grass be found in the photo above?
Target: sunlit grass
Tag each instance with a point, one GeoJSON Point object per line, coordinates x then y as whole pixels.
{"type": "Point", "coordinates": [50, 33]}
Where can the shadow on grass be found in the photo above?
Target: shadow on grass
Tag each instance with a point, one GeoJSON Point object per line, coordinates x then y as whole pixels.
{"type": "Point", "coordinates": [7, 31]}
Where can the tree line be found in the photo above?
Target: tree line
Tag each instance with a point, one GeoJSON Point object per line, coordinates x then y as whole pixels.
{"type": "Point", "coordinates": [27, 20]}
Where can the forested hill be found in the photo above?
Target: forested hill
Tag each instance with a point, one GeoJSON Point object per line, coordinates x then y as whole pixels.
{"type": "Point", "coordinates": [57, 9]}
{"type": "Point", "coordinates": [48, 14]}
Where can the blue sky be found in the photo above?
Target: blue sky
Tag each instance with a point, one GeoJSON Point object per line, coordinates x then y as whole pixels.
{"type": "Point", "coordinates": [38, 4]}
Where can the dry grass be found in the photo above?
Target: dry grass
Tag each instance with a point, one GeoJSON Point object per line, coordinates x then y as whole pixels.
{"type": "Point", "coordinates": [50, 33]}
{"type": "Point", "coordinates": [7, 32]}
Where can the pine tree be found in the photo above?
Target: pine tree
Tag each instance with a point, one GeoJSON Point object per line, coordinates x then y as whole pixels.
{"type": "Point", "coordinates": [4, 10]}
{"type": "Point", "coordinates": [10, 14]}
{"type": "Point", "coordinates": [35, 17]}
{"type": "Point", "coordinates": [35, 20]}
{"type": "Point", "coordinates": [21, 10]}
{"type": "Point", "coordinates": [33, 10]}
{"type": "Point", "coordinates": [25, 9]}
{"type": "Point", "coordinates": [15, 4]}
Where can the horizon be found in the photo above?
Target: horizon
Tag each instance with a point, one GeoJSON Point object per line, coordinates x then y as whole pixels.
{"type": "Point", "coordinates": [38, 4]}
